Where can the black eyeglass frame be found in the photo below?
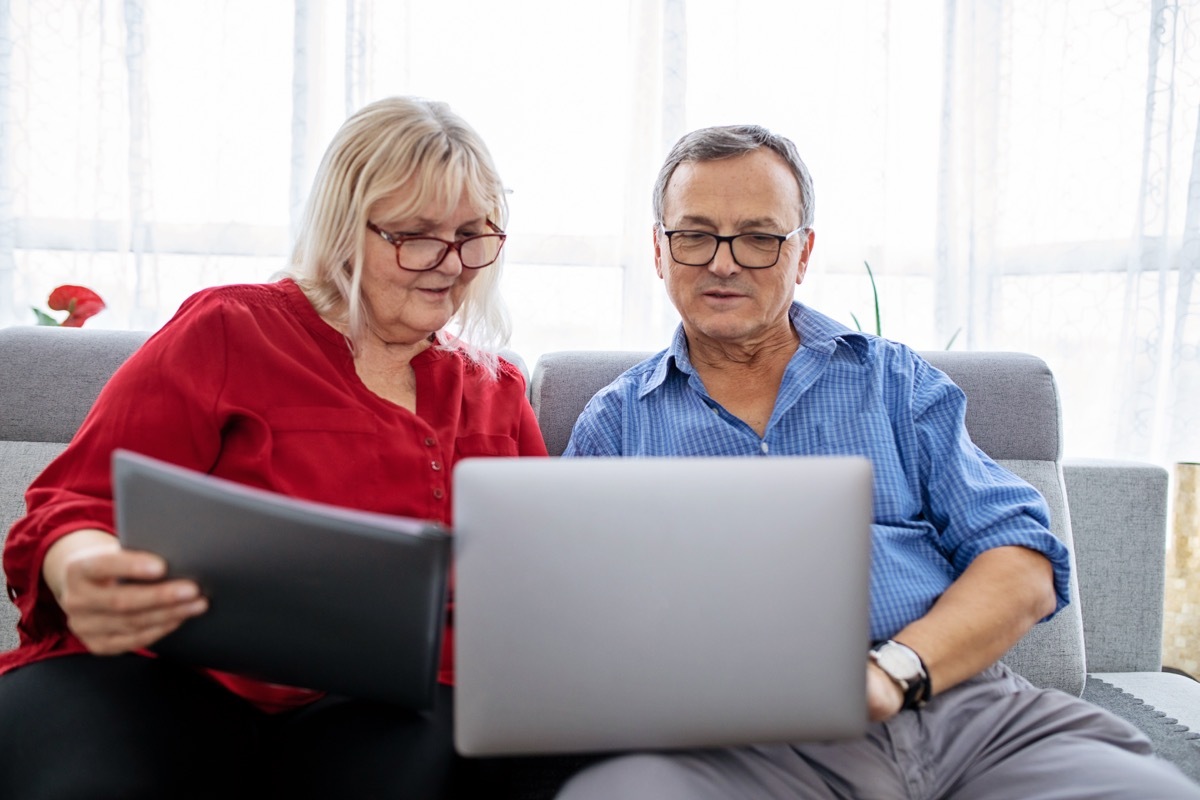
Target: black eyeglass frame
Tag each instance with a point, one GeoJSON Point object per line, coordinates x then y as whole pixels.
{"type": "Point", "coordinates": [396, 240]}
{"type": "Point", "coordinates": [780, 238]}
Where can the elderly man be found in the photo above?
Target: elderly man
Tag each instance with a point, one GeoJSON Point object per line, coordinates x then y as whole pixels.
{"type": "Point", "coordinates": [963, 565]}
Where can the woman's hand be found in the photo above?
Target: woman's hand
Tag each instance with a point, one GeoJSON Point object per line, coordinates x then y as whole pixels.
{"type": "Point", "coordinates": [884, 698]}
{"type": "Point", "coordinates": [115, 599]}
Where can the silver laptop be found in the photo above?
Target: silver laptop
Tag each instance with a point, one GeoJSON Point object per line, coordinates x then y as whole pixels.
{"type": "Point", "coordinates": [611, 604]}
{"type": "Point", "coordinates": [300, 593]}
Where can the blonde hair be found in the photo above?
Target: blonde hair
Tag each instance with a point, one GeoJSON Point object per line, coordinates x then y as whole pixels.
{"type": "Point", "coordinates": [399, 141]}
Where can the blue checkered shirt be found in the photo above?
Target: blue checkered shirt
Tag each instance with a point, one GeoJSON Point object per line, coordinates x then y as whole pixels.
{"type": "Point", "coordinates": [939, 501]}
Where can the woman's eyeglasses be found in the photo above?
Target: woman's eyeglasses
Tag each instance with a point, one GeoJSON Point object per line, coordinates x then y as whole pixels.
{"type": "Point", "coordinates": [422, 253]}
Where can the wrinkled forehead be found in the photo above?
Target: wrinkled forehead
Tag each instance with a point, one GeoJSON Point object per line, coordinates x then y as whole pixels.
{"type": "Point", "coordinates": [754, 185]}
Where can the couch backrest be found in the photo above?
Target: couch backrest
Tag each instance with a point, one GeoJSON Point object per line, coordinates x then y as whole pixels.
{"type": "Point", "coordinates": [38, 404]}
{"type": "Point", "coordinates": [1012, 415]}
{"type": "Point", "coordinates": [1013, 411]}
{"type": "Point", "coordinates": [49, 378]}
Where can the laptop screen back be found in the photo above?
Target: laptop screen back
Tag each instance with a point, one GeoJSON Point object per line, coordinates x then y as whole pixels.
{"type": "Point", "coordinates": [606, 604]}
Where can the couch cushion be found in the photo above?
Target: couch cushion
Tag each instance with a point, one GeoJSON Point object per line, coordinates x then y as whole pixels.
{"type": "Point", "coordinates": [563, 382]}
{"type": "Point", "coordinates": [80, 360]}
{"type": "Point", "coordinates": [1013, 411]}
{"type": "Point", "coordinates": [20, 463]}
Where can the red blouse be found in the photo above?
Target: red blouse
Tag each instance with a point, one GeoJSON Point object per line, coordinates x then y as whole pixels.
{"type": "Point", "coordinates": [250, 384]}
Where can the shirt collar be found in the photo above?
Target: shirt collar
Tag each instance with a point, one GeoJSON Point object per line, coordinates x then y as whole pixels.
{"type": "Point", "coordinates": [824, 334]}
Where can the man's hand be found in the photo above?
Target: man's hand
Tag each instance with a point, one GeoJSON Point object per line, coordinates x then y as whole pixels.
{"type": "Point", "coordinates": [115, 600]}
{"type": "Point", "coordinates": [884, 698]}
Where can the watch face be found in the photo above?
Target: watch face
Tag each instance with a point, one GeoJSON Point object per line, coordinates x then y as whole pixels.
{"type": "Point", "coordinates": [899, 662]}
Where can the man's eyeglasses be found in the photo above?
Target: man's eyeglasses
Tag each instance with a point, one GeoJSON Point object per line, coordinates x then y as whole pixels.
{"type": "Point", "coordinates": [750, 250]}
{"type": "Point", "coordinates": [422, 253]}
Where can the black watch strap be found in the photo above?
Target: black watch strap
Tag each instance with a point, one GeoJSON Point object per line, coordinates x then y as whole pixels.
{"type": "Point", "coordinates": [917, 694]}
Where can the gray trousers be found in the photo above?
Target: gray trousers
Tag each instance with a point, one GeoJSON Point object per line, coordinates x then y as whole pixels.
{"type": "Point", "coordinates": [993, 737]}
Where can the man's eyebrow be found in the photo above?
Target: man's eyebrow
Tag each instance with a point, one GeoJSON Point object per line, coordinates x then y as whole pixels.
{"type": "Point", "coordinates": [692, 219]}
{"type": "Point", "coordinates": [759, 222]}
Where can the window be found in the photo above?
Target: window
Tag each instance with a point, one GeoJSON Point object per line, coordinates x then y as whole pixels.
{"type": "Point", "coordinates": [1017, 174]}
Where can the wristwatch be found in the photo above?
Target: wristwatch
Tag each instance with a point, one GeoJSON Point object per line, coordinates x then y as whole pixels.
{"type": "Point", "coordinates": [902, 664]}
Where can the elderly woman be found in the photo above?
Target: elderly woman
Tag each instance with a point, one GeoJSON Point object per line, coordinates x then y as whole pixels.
{"type": "Point", "coordinates": [359, 379]}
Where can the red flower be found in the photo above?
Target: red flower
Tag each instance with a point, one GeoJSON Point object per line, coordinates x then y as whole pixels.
{"type": "Point", "coordinates": [79, 302]}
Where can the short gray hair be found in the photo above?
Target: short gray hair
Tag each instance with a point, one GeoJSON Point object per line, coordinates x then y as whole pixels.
{"type": "Point", "coordinates": [727, 141]}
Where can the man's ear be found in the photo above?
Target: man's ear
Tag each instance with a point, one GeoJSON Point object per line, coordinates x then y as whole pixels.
{"type": "Point", "coordinates": [805, 254]}
{"type": "Point", "coordinates": [657, 252]}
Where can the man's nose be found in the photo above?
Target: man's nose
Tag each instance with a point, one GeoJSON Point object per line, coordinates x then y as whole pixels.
{"type": "Point", "coordinates": [723, 263]}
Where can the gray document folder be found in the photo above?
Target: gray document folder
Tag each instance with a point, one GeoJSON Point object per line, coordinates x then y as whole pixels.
{"type": "Point", "coordinates": [300, 593]}
{"type": "Point", "coordinates": [610, 604]}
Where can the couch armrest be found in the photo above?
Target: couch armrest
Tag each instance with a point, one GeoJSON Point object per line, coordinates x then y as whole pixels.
{"type": "Point", "coordinates": [1119, 520]}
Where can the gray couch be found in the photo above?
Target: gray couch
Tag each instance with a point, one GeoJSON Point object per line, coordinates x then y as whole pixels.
{"type": "Point", "coordinates": [1106, 646]}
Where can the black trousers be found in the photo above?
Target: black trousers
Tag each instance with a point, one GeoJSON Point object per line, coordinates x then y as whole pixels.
{"type": "Point", "coordinates": [134, 727]}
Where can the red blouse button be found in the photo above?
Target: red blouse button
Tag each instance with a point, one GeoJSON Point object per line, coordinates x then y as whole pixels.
{"type": "Point", "coordinates": [435, 466]}
{"type": "Point", "coordinates": [429, 441]}
{"type": "Point", "coordinates": [438, 493]}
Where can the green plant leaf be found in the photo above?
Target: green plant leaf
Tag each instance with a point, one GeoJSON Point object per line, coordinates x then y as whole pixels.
{"type": "Point", "coordinates": [44, 319]}
{"type": "Point", "coordinates": [950, 343]}
{"type": "Point", "coordinates": [857, 324]}
{"type": "Point", "coordinates": [875, 295]}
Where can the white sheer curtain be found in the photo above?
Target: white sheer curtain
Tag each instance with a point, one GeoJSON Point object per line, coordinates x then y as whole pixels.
{"type": "Point", "coordinates": [1019, 172]}
{"type": "Point", "coordinates": [1068, 208]}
